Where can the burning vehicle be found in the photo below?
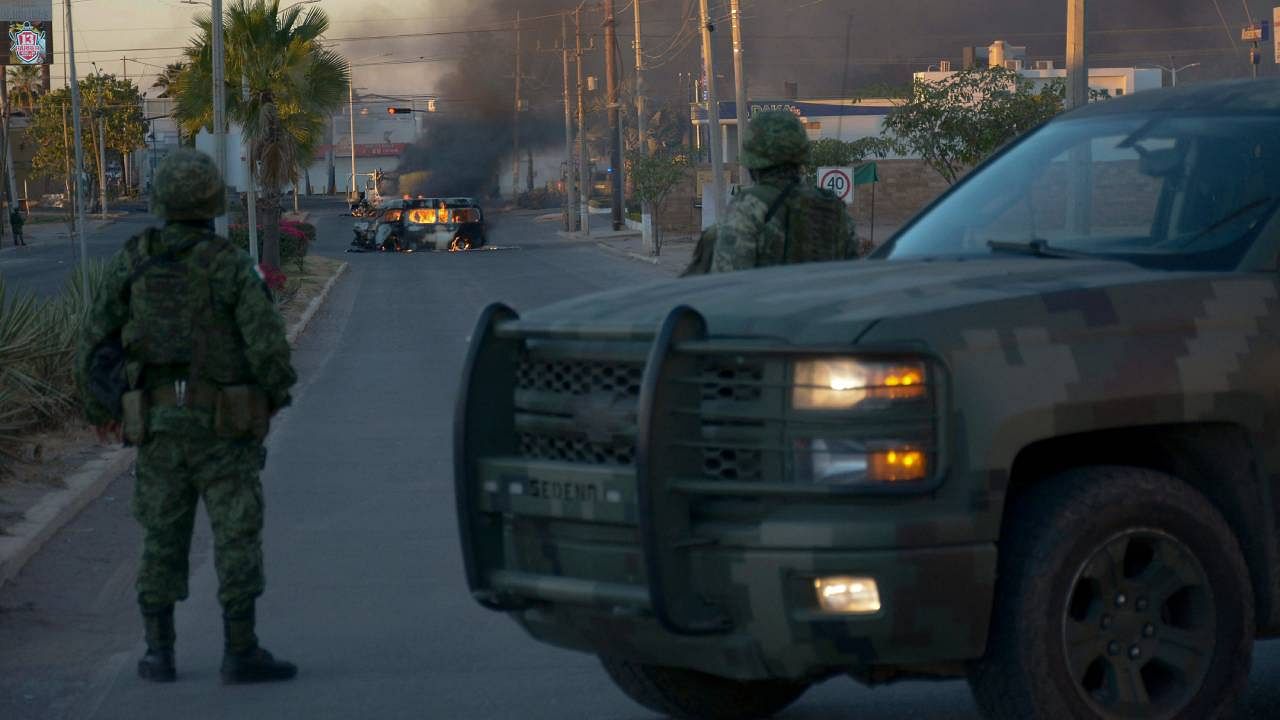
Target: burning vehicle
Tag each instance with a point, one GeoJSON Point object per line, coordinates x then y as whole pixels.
{"type": "Point", "coordinates": [452, 224]}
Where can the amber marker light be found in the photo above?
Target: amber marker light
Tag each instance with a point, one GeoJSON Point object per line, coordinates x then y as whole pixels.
{"type": "Point", "coordinates": [900, 465]}
{"type": "Point", "coordinates": [847, 595]}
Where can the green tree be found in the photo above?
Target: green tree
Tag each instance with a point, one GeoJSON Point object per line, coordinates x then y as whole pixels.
{"type": "Point", "coordinates": [955, 123]}
{"type": "Point", "coordinates": [653, 177]}
{"type": "Point", "coordinates": [830, 152]}
{"type": "Point", "coordinates": [167, 80]}
{"type": "Point", "coordinates": [294, 83]}
{"type": "Point", "coordinates": [117, 102]}
{"type": "Point", "coordinates": [26, 84]}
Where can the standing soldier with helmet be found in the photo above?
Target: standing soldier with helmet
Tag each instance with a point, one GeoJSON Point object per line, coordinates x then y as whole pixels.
{"type": "Point", "coordinates": [196, 365]}
{"type": "Point", "coordinates": [781, 219]}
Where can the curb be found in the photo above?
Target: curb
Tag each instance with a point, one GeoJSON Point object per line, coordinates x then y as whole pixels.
{"type": "Point", "coordinates": [55, 510]}
{"type": "Point", "coordinates": [314, 306]}
{"type": "Point", "coordinates": [43, 520]}
{"type": "Point", "coordinates": [627, 253]}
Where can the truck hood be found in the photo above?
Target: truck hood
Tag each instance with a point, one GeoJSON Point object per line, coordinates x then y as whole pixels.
{"type": "Point", "coordinates": [835, 302]}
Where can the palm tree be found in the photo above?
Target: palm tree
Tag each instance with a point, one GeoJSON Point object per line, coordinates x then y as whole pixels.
{"type": "Point", "coordinates": [26, 84]}
{"type": "Point", "coordinates": [294, 84]}
{"type": "Point", "coordinates": [167, 80]}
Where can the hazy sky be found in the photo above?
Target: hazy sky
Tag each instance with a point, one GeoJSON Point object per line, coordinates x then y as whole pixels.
{"type": "Point", "coordinates": [150, 33]}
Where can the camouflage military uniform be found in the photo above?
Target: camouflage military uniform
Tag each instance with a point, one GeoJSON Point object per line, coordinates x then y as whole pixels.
{"type": "Point", "coordinates": [196, 322]}
{"type": "Point", "coordinates": [782, 219]}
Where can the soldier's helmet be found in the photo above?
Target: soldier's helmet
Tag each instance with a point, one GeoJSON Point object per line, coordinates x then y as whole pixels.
{"type": "Point", "coordinates": [187, 186]}
{"type": "Point", "coordinates": [775, 138]}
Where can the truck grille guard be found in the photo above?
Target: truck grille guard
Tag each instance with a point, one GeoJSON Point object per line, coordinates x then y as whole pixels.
{"type": "Point", "coordinates": [485, 426]}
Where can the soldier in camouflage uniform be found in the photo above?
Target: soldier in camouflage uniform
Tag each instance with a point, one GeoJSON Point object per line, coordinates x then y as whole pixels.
{"type": "Point", "coordinates": [207, 366]}
{"type": "Point", "coordinates": [782, 219]}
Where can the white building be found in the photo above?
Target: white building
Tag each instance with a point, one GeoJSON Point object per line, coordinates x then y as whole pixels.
{"type": "Point", "coordinates": [846, 120]}
{"type": "Point", "coordinates": [1114, 82]}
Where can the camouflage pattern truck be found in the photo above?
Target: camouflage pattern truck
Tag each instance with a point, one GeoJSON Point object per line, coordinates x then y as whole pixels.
{"type": "Point", "coordinates": [1033, 442]}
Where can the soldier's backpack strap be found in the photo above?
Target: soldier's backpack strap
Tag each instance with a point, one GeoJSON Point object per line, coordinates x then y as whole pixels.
{"type": "Point", "coordinates": [773, 210]}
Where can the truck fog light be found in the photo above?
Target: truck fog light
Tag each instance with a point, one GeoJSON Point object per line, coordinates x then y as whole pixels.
{"type": "Point", "coordinates": [847, 595]}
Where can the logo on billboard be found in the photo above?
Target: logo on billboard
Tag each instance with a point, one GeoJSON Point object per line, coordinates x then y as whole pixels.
{"type": "Point", "coordinates": [28, 44]}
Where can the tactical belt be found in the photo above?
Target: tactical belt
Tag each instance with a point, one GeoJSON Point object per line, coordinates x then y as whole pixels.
{"type": "Point", "coordinates": [180, 393]}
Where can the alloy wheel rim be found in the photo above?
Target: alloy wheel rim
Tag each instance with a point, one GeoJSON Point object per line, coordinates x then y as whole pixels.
{"type": "Point", "coordinates": [1139, 626]}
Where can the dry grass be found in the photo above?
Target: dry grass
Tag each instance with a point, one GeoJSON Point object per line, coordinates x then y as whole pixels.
{"type": "Point", "coordinates": [303, 288]}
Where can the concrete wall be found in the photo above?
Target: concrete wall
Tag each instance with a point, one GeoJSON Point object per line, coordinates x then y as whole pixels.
{"type": "Point", "coordinates": [905, 187]}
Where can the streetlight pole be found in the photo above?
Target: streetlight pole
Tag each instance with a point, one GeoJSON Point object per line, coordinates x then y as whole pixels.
{"type": "Point", "coordinates": [217, 42]}
{"type": "Point", "coordinates": [79, 141]}
{"type": "Point", "coordinates": [1173, 70]}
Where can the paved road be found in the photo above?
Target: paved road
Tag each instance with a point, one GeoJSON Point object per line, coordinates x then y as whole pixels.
{"type": "Point", "coordinates": [365, 585]}
{"type": "Point", "coordinates": [43, 266]}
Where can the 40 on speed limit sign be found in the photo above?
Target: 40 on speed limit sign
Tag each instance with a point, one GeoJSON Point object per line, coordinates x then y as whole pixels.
{"type": "Point", "coordinates": [838, 180]}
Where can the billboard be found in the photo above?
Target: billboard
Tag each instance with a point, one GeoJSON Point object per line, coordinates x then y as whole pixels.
{"type": "Point", "coordinates": [28, 28]}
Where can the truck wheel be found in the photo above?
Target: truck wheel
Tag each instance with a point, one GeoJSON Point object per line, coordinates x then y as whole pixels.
{"type": "Point", "coordinates": [691, 695]}
{"type": "Point", "coordinates": [1122, 593]}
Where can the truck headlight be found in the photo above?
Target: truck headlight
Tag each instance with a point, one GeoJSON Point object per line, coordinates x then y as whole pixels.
{"type": "Point", "coordinates": [852, 462]}
{"type": "Point", "coordinates": [846, 383]}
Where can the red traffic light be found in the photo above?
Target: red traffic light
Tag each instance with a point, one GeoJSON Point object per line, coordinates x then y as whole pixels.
{"type": "Point", "coordinates": [399, 111]}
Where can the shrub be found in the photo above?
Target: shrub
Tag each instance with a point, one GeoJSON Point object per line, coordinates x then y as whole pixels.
{"type": "Point", "coordinates": [295, 241]}
{"type": "Point", "coordinates": [37, 353]}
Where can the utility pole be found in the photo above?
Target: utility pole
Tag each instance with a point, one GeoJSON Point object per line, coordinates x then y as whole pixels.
{"type": "Point", "coordinates": [124, 156]}
{"type": "Point", "coordinates": [102, 158]}
{"type": "Point", "coordinates": [615, 132]}
{"type": "Point", "coordinates": [1080, 158]}
{"type": "Point", "coordinates": [10, 177]}
{"type": "Point", "coordinates": [66, 155]}
{"type": "Point", "coordinates": [351, 120]}
{"type": "Point", "coordinates": [740, 88]}
{"type": "Point", "coordinates": [1077, 61]}
{"type": "Point", "coordinates": [515, 128]}
{"type": "Point", "coordinates": [218, 50]}
{"type": "Point", "coordinates": [642, 132]}
{"type": "Point", "coordinates": [713, 113]}
{"type": "Point", "coordinates": [250, 179]}
{"type": "Point", "coordinates": [570, 187]}
{"type": "Point", "coordinates": [584, 160]}
{"type": "Point", "coordinates": [80, 229]}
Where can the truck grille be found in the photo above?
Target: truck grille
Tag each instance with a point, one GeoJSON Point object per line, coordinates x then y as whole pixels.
{"type": "Point", "coordinates": [549, 385]}
{"type": "Point", "coordinates": [580, 377]}
{"type": "Point", "coordinates": [544, 446]}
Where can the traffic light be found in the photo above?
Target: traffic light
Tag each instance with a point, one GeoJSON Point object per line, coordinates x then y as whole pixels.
{"type": "Point", "coordinates": [399, 111]}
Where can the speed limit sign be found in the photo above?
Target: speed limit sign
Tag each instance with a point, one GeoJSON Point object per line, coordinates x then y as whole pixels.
{"type": "Point", "coordinates": [839, 180]}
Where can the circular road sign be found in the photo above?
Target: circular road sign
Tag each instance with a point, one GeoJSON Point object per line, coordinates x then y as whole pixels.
{"type": "Point", "coordinates": [838, 181]}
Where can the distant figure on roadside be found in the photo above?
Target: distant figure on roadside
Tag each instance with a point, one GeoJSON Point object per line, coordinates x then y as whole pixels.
{"type": "Point", "coordinates": [16, 220]}
{"type": "Point", "coordinates": [184, 353]}
{"type": "Point", "coordinates": [783, 218]}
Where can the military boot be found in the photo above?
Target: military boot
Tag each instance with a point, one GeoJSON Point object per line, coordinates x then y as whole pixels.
{"type": "Point", "coordinates": [158, 664]}
{"type": "Point", "coordinates": [243, 661]}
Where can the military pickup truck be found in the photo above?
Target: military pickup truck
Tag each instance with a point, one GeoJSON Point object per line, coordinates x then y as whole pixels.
{"type": "Point", "coordinates": [1033, 442]}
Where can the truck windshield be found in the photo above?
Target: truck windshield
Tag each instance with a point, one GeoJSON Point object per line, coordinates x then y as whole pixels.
{"type": "Point", "coordinates": [1176, 192]}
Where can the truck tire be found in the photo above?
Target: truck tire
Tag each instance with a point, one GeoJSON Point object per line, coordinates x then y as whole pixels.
{"type": "Point", "coordinates": [1122, 593]}
{"type": "Point", "coordinates": [691, 695]}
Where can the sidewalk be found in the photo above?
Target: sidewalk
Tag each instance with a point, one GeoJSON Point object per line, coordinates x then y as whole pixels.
{"type": "Point", "coordinates": [673, 258]}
